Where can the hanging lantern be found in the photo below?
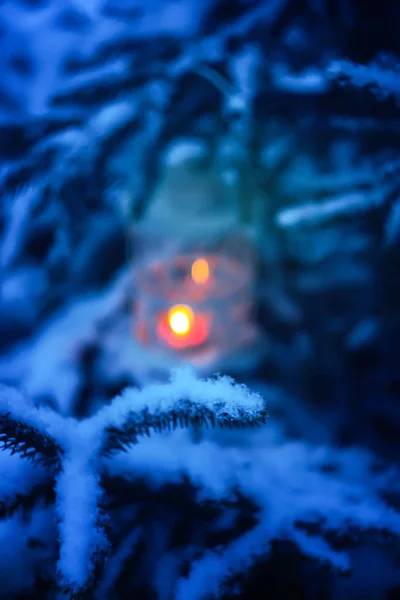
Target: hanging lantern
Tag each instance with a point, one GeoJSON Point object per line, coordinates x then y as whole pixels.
{"type": "Point", "coordinates": [194, 274]}
{"type": "Point", "coordinates": [195, 308]}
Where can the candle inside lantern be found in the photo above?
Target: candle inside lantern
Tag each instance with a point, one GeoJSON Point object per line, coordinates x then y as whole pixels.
{"type": "Point", "coordinates": [200, 271]}
{"type": "Point", "coordinates": [180, 327]}
{"type": "Point", "coordinates": [180, 319]}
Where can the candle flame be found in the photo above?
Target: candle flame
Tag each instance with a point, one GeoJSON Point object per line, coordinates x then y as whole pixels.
{"type": "Point", "coordinates": [180, 319]}
{"type": "Point", "coordinates": [200, 271]}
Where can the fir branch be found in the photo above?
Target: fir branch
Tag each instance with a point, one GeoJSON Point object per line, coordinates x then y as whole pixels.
{"type": "Point", "coordinates": [86, 593]}
{"type": "Point", "coordinates": [42, 492]}
{"type": "Point", "coordinates": [98, 559]}
{"type": "Point", "coordinates": [23, 439]}
{"type": "Point", "coordinates": [188, 414]}
{"type": "Point", "coordinates": [77, 447]}
{"type": "Point", "coordinates": [184, 401]}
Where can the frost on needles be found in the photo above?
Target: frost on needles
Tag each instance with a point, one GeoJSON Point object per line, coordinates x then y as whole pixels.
{"type": "Point", "coordinates": [74, 452]}
{"type": "Point", "coordinates": [91, 469]}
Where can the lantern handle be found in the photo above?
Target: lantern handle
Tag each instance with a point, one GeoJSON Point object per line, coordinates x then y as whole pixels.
{"type": "Point", "coordinates": [219, 81]}
{"type": "Point", "coordinates": [235, 101]}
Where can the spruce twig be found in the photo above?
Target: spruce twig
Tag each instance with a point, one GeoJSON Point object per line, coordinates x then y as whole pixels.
{"type": "Point", "coordinates": [42, 492]}
{"type": "Point", "coordinates": [188, 414]}
{"type": "Point", "coordinates": [23, 439]}
{"type": "Point", "coordinates": [75, 449]}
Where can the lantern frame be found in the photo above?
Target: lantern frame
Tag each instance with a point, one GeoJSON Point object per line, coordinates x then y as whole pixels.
{"type": "Point", "coordinates": [224, 304]}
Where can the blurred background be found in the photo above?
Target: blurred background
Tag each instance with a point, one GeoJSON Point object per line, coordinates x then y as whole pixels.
{"type": "Point", "coordinates": [136, 134]}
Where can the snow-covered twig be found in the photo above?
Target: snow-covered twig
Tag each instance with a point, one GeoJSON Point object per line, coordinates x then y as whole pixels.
{"type": "Point", "coordinates": [330, 209]}
{"type": "Point", "coordinates": [75, 448]}
{"type": "Point", "coordinates": [292, 484]}
{"type": "Point", "coordinates": [383, 80]}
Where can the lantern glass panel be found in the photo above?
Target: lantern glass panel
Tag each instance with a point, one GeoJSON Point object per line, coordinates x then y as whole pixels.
{"type": "Point", "coordinates": [194, 297]}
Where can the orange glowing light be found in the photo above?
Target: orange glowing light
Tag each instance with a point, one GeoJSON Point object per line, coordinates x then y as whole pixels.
{"type": "Point", "coordinates": [180, 319]}
{"type": "Point", "coordinates": [181, 328]}
{"type": "Point", "coordinates": [200, 271]}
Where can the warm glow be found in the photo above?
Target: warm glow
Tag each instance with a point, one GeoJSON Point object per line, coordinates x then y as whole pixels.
{"type": "Point", "coordinates": [180, 319]}
{"type": "Point", "coordinates": [181, 328]}
{"type": "Point", "coordinates": [200, 270]}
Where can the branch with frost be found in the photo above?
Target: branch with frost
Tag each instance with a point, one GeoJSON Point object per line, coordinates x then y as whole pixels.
{"type": "Point", "coordinates": [24, 485]}
{"type": "Point", "coordinates": [18, 210]}
{"type": "Point", "coordinates": [23, 431]}
{"type": "Point", "coordinates": [185, 401]}
{"type": "Point", "coordinates": [380, 76]}
{"type": "Point", "coordinates": [292, 485]}
{"type": "Point", "coordinates": [319, 213]}
{"type": "Point", "coordinates": [40, 493]}
{"type": "Point", "coordinates": [311, 496]}
{"type": "Point", "coordinates": [75, 148]}
{"type": "Point", "coordinates": [379, 170]}
{"type": "Point", "coordinates": [76, 448]}
{"type": "Point", "coordinates": [19, 438]}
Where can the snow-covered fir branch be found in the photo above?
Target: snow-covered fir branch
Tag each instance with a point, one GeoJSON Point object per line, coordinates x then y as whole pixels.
{"type": "Point", "coordinates": [75, 448]}
{"type": "Point", "coordinates": [293, 486]}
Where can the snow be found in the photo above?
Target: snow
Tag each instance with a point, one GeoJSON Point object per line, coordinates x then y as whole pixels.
{"type": "Point", "coordinates": [221, 396]}
{"type": "Point", "coordinates": [286, 479]}
{"type": "Point", "coordinates": [335, 207]}
{"type": "Point", "coordinates": [18, 213]}
{"type": "Point", "coordinates": [56, 348]}
{"type": "Point", "coordinates": [78, 495]}
{"type": "Point", "coordinates": [78, 489]}
{"type": "Point", "coordinates": [18, 477]}
{"type": "Point", "coordinates": [41, 29]}
{"type": "Point", "coordinates": [287, 482]}
{"type": "Point", "coordinates": [22, 409]}
{"type": "Point", "coordinates": [112, 70]}
{"type": "Point", "coordinates": [182, 151]}
{"type": "Point", "coordinates": [110, 118]}
{"type": "Point", "coordinates": [384, 79]}
{"type": "Point", "coordinates": [310, 80]}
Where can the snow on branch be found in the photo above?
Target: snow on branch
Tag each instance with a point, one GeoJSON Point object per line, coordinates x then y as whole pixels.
{"type": "Point", "coordinates": [83, 543]}
{"type": "Point", "coordinates": [293, 484]}
{"type": "Point", "coordinates": [24, 484]}
{"type": "Point", "coordinates": [18, 212]}
{"type": "Point", "coordinates": [75, 447]}
{"type": "Point", "coordinates": [184, 400]}
{"type": "Point", "coordinates": [24, 429]}
{"type": "Point", "coordinates": [26, 441]}
{"type": "Point", "coordinates": [380, 76]}
{"type": "Point", "coordinates": [316, 213]}
{"type": "Point", "coordinates": [42, 492]}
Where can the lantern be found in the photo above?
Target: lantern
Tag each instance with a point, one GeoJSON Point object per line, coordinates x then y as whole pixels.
{"type": "Point", "coordinates": [194, 273]}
